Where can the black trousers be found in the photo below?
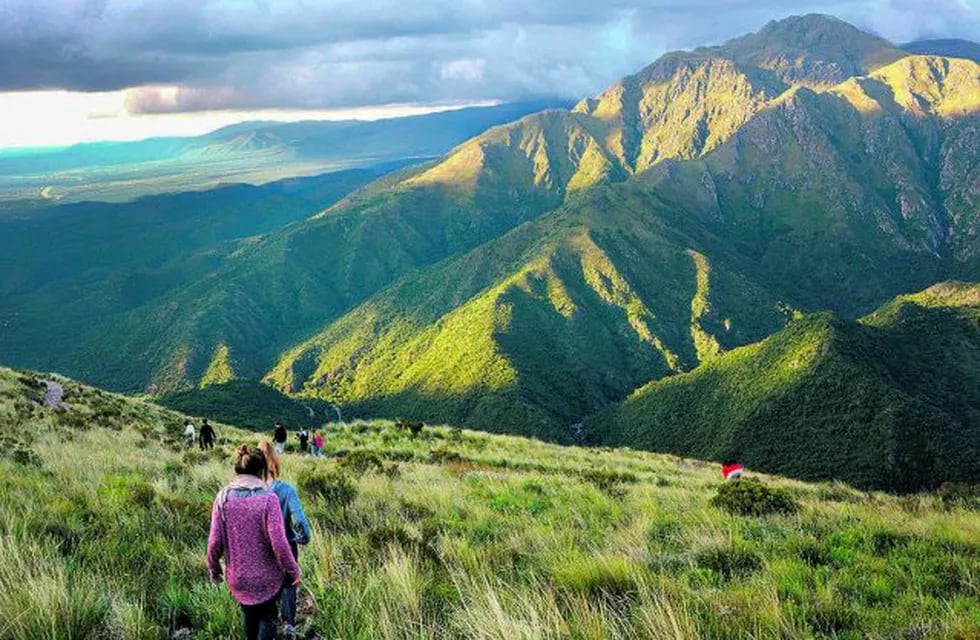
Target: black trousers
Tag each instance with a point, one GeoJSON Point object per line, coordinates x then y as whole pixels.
{"type": "Point", "coordinates": [260, 619]}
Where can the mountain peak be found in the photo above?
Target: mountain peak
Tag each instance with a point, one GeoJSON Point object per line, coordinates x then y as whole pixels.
{"type": "Point", "coordinates": [813, 50]}
{"type": "Point", "coordinates": [810, 25]}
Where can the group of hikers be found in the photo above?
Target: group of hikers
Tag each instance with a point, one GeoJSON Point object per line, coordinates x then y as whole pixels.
{"type": "Point", "coordinates": [312, 444]}
{"type": "Point", "coordinates": [257, 525]}
{"type": "Point", "coordinates": [308, 443]}
{"type": "Point", "coordinates": [205, 439]}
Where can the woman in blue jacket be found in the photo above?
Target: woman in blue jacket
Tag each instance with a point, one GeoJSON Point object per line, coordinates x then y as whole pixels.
{"type": "Point", "coordinates": [297, 530]}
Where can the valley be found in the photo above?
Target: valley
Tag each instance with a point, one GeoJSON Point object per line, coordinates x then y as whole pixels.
{"type": "Point", "coordinates": [536, 276]}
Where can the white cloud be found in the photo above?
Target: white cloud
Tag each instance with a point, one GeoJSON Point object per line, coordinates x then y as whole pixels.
{"type": "Point", "coordinates": [307, 54]}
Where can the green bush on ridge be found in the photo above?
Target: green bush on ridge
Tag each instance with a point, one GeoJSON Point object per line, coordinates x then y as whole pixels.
{"type": "Point", "coordinates": [750, 497]}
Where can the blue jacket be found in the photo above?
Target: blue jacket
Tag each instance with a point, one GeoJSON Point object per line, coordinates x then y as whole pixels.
{"type": "Point", "coordinates": [297, 526]}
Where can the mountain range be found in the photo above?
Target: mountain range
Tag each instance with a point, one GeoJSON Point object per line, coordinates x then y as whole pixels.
{"type": "Point", "coordinates": [543, 270]}
{"type": "Point", "coordinates": [249, 152]}
{"type": "Point", "coordinates": [887, 401]}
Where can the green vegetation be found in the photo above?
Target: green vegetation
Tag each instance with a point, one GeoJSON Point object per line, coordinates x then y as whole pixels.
{"type": "Point", "coordinates": [767, 187]}
{"type": "Point", "coordinates": [630, 282]}
{"type": "Point", "coordinates": [544, 270]}
{"type": "Point", "coordinates": [888, 402]}
{"type": "Point", "coordinates": [249, 404]}
{"type": "Point", "coordinates": [750, 497]}
{"type": "Point", "coordinates": [460, 535]}
{"type": "Point", "coordinates": [69, 274]}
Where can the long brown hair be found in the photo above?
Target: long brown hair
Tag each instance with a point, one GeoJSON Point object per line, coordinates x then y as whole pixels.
{"type": "Point", "coordinates": [251, 461]}
{"type": "Point", "coordinates": [272, 459]}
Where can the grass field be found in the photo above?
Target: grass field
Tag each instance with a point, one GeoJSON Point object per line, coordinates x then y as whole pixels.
{"type": "Point", "coordinates": [457, 534]}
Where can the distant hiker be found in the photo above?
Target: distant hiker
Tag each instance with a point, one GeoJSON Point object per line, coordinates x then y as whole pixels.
{"type": "Point", "coordinates": [247, 529]}
{"type": "Point", "coordinates": [207, 436]}
{"type": "Point", "coordinates": [304, 439]}
{"type": "Point", "coordinates": [279, 437]}
{"type": "Point", "coordinates": [297, 531]}
{"type": "Point", "coordinates": [317, 444]}
{"type": "Point", "coordinates": [189, 433]}
{"type": "Point", "coordinates": [731, 471]}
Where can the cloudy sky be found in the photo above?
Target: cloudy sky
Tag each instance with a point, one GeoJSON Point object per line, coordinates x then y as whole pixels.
{"type": "Point", "coordinates": [114, 69]}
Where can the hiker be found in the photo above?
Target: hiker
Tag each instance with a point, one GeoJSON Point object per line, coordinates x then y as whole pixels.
{"type": "Point", "coordinates": [189, 432]}
{"type": "Point", "coordinates": [304, 439]}
{"type": "Point", "coordinates": [247, 529]}
{"type": "Point", "coordinates": [731, 471]}
{"type": "Point", "coordinates": [279, 437]}
{"type": "Point", "coordinates": [317, 443]}
{"type": "Point", "coordinates": [207, 436]}
{"type": "Point", "coordinates": [297, 531]}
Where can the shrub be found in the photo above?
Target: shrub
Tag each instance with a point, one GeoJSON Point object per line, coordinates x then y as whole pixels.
{"type": "Point", "coordinates": [361, 461]}
{"type": "Point", "coordinates": [424, 544]}
{"type": "Point", "coordinates": [954, 494]}
{"type": "Point", "coordinates": [415, 428]}
{"type": "Point", "coordinates": [444, 456]}
{"type": "Point", "coordinates": [831, 618]}
{"type": "Point", "coordinates": [729, 561]}
{"type": "Point", "coordinates": [25, 455]}
{"type": "Point", "coordinates": [609, 482]}
{"type": "Point", "coordinates": [752, 498]}
{"type": "Point", "coordinates": [814, 553]}
{"type": "Point", "coordinates": [333, 488]}
{"type": "Point", "coordinates": [141, 494]}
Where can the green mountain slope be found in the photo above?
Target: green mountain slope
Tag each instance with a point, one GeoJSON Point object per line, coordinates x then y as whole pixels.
{"type": "Point", "coordinates": [285, 288]}
{"type": "Point", "coordinates": [248, 404]}
{"type": "Point", "coordinates": [803, 208]}
{"type": "Point", "coordinates": [70, 273]}
{"type": "Point", "coordinates": [889, 402]}
{"type": "Point", "coordinates": [549, 266]}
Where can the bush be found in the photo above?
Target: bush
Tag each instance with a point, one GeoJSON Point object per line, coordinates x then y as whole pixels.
{"type": "Point", "coordinates": [361, 461]}
{"type": "Point", "coordinates": [729, 562]}
{"type": "Point", "coordinates": [415, 428]}
{"type": "Point", "coordinates": [609, 482]}
{"type": "Point", "coordinates": [752, 498]}
{"type": "Point", "coordinates": [445, 456]}
{"type": "Point", "coordinates": [330, 487]}
{"type": "Point", "coordinates": [954, 494]}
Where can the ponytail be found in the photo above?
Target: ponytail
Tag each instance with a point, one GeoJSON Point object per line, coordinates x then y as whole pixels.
{"type": "Point", "coordinates": [251, 461]}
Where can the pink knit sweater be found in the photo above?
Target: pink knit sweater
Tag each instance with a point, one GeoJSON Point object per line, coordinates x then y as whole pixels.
{"type": "Point", "coordinates": [251, 536]}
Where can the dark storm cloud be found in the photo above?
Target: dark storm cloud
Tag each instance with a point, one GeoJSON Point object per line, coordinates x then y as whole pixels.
{"type": "Point", "coordinates": [307, 54]}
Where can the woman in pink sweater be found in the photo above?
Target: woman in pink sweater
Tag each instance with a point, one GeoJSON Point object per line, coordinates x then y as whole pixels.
{"type": "Point", "coordinates": [247, 529]}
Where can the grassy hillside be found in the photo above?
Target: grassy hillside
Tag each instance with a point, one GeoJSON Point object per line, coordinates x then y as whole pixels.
{"type": "Point", "coordinates": [70, 273]}
{"type": "Point", "coordinates": [629, 282]}
{"type": "Point", "coordinates": [456, 534]}
{"type": "Point", "coordinates": [890, 401]}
